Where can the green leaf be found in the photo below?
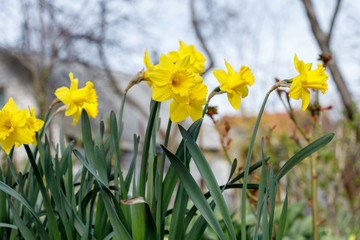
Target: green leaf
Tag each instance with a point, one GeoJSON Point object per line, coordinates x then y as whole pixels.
{"type": "Point", "coordinates": [115, 143]}
{"type": "Point", "coordinates": [100, 220]}
{"type": "Point", "coordinates": [53, 227]}
{"type": "Point", "coordinates": [149, 220]}
{"type": "Point", "coordinates": [195, 193]}
{"type": "Point", "coordinates": [260, 198]}
{"type": "Point", "coordinates": [246, 170]}
{"type": "Point", "coordinates": [100, 161]}
{"type": "Point", "coordinates": [117, 225]}
{"type": "Point", "coordinates": [6, 225]}
{"type": "Point", "coordinates": [272, 196]}
{"type": "Point", "coordinates": [265, 222]}
{"type": "Point", "coordinates": [199, 227]}
{"type": "Point", "coordinates": [100, 134]}
{"type": "Point", "coordinates": [8, 190]}
{"type": "Point", "coordinates": [25, 231]}
{"type": "Point", "coordinates": [171, 176]}
{"type": "Point", "coordinates": [178, 214]}
{"type": "Point", "coordinates": [209, 179]}
{"type": "Point", "coordinates": [303, 153]}
{"type": "Point", "coordinates": [133, 163]}
{"type": "Point", "coordinates": [89, 168]}
{"type": "Point", "coordinates": [282, 222]}
{"type": "Point", "coordinates": [87, 139]}
{"type": "Point", "coordinates": [145, 152]}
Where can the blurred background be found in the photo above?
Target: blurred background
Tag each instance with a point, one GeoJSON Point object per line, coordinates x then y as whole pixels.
{"type": "Point", "coordinates": [104, 41]}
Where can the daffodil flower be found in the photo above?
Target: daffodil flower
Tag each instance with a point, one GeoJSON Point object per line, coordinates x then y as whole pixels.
{"type": "Point", "coordinates": [78, 99]}
{"type": "Point", "coordinates": [315, 79]}
{"type": "Point", "coordinates": [197, 60]}
{"type": "Point", "coordinates": [172, 80]}
{"type": "Point", "coordinates": [235, 84]}
{"type": "Point", "coordinates": [179, 110]}
{"type": "Point", "coordinates": [13, 128]}
{"type": "Point", "coordinates": [33, 124]}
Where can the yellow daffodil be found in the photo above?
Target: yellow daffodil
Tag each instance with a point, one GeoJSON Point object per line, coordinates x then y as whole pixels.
{"type": "Point", "coordinates": [13, 128]}
{"type": "Point", "coordinates": [150, 67]}
{"type": "Point", "coordinates": [235, 84]}
{"type": "Point", "coordinates": [172, 80]}
{"type": "Point", "coordinates": [33, 124]}
{"type": "Point", "coordinates": [78, 99]}
{"type": "Point", "coordinates": [179, 109]}
{"type": "Point", "coordinates": [197, 60]}
{"type": "Point", "coordinates": [315, 79]}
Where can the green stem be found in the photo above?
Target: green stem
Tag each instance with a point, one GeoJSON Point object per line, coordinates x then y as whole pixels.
{"type": "Point", "coordinates": [145, 153]}
{"type": "Point", "coordinates": [314, 206]}
{"type": "Point", "coordinates": [246, 170]}
{"type": "Point", "coordinates": [314, 203]}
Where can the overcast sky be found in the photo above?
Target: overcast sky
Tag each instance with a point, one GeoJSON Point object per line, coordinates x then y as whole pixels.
{"type": "Point", "coordinates": [263, 35]}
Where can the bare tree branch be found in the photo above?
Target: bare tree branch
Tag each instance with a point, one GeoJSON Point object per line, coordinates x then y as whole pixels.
{"type": "Point", "coordinates": [333, 20]}
{"type": "Point", "coordinates": [323, 43]}
{"type": "Point", "coordinates": [109, 74]}
{"type": "Point", "coordinates": [200, 37]}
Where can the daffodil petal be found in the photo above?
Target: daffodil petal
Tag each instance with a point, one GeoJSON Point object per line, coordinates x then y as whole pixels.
{"type": "Point", "coordinates": [229, 68]}
{"type": "Point", "coordinates": [195, 110]}
{"type": "Point", "coordinates": [243, 91]}
{"type": "Point", "coordinates": [234, 100]}
{"type": "Point", "coordinates": [220, 75]}
{"type": "Point", "coordinates": [295, 89]}
{"type": "Point", "coordinates": [10, 106]}
{"type": "Point", "coordinates": [7, 144]}
{"type": "Point", "coordinates": [147, 59]}
{"type": "Point", "coordinates": [178, 111]}
{"type": "Point", "coordinates": [161, 93]}
{"type": "Point", "coordinates": [91, 109]}
{"type": "Point", "coordinates": [63, 94]}
{"type": "Point", "coordinates": [305, 96]}
{"type": "Point", "coordinates": [71, 109]}
{"type": "Point", "coordinates": [23, 135]}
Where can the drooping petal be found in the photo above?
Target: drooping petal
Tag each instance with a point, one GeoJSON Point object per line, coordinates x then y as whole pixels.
{"type": "Point", "coordinates": [7, 144]}
{"type": "Point", "coordinates": [91, 109]}
{"type": "Point", "coordinates": [305, 95]}
{"type": "Point", "coordinates": [195, 110]}
{"type": "Point", "coordinates": [295, 88]}
{"type": "Point", "coordinates": [76, 117]}
{"type": "Point", "coordinates": [71, 109]}
{"type": "Point", "coordinates": [234, 99]}
{"type": "Point", "coordinates": [243, 91]}
{"type": "Point", "coordinates": [178, 111]}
